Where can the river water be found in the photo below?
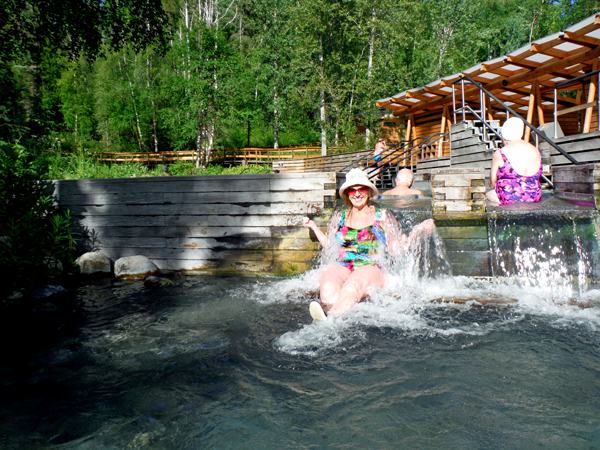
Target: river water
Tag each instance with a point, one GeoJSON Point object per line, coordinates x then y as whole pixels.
{"type": "Point", "coordinates": [236, 363]}
{"type": "Point", "coordinates": [430, 361]}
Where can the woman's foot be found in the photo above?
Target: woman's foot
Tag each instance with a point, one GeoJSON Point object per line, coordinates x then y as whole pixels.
{"type": "Point", "coordinates": [317, 312]}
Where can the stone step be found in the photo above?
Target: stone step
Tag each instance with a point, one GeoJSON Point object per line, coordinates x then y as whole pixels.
{"type": "Point", "coordinates": [475, 140]}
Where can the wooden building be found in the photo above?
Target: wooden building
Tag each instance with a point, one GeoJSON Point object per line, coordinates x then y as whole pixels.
{"type": "Point", "coordinates": [534, 81]}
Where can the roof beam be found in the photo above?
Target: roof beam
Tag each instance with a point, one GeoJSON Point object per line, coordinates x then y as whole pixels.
{"type": "Point", "coordinates": [584, 41]}
{"type": "Point", "coordinates": [546, 69]}
{"type": "Point", "coordinates": [565, 101]}
{"type": "Point", "coordinates": [524, 64]}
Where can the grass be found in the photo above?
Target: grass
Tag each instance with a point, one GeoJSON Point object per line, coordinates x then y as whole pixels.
{"type": "Point", "coordinates": [79, 165]}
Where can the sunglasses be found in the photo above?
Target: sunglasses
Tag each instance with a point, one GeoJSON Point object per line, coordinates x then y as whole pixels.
{"type": "Point", "coordinates": [359, 190]}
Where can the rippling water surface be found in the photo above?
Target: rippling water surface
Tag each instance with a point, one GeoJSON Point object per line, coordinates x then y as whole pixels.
{"type": "Point", "coordinates": [236, 363]}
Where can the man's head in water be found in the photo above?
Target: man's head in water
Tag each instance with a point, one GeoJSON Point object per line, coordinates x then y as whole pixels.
{"type": "Point", "coordinates": [405, 176]}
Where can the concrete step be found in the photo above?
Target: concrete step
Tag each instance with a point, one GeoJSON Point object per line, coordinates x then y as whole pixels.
{"type": "Point", "coordinates": [475, 140]}
{"type": "Point", "coordinates": [468, 150]}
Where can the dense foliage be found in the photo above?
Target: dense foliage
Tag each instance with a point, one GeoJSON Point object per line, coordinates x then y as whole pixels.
{"type": "Point", "coordinates": [36, 242]}
{"type": "Point", "coordinates": [78, 76]}
{"type": "Point", "coordinates": [135, 75]}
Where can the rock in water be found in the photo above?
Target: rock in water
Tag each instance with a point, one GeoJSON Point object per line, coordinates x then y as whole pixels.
{"type": "Point", "coordinates": [47, 291]}
{"type": "Point", "coordinates": [94, 263]}
{"type": "Point", "coordinates": [134, 268]}
{"type": "Point", "coordinates": [157, 282]}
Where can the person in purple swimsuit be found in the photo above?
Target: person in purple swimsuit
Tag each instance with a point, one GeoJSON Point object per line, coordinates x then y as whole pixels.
{"type": "Point", "coordinates": [516, 168]}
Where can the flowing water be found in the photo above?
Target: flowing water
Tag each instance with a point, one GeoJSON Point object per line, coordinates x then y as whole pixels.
{"type": "Point", "coordinates": [431, 361]}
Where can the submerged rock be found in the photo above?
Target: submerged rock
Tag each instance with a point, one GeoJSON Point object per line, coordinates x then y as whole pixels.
{"type": "Point", "coordinates": [134, 268]}
{"type": "Point", "coordinates": [16, 295]}
{"type": "Point", "coordinates": [47, 291]}
{"type": "Point", "coordinates": [153, 281]}
{"type": "Point", "coordinates": [94, 263]}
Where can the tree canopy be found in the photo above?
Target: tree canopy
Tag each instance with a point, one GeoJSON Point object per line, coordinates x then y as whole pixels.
{"type": "Point", "coordinates": [130, 75]}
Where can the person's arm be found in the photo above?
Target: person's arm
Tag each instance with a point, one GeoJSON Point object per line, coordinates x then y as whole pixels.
{"type": "Point", "coordinates": [308, 223]}
{"type": "Point", "coordinates": [398, 241]}
{"type": "Point", "coordinates": [395, 238]}
{"type": "Point", "coordinates": [322, 237]}
{"type": "Point", "coordinates": [496, 162]}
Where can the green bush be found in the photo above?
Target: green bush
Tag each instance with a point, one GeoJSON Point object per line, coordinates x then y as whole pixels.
{"type": "Point", "coordinates": [34, 236]}
{"type": "Point", "coordinates": [187, 168]}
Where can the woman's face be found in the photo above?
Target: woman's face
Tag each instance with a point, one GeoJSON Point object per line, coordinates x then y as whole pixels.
{"type": "Point", "coordinates": [358, 195]}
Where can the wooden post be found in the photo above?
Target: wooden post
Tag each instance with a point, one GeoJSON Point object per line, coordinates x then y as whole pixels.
{"type": "Point", "coordinates": [538, 102]}
{"type": "Point", "coordinates": [409, 124]}
{"type": "Point", "coordinates": [488, 106]}
{"type": "Point", "coordinates": [591, 95]}
{"type": "Point", "coordinates": [442, 129]}
{"type": "Point", "coordinates": [532, 95]}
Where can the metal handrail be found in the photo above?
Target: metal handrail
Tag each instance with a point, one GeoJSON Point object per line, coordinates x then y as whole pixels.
{"type": "Point", "coordinates": [405, 153]}
{"type": "Point", "coordinates": [509, 110]}
{"type": "Point", "coordinates": [397, 148]}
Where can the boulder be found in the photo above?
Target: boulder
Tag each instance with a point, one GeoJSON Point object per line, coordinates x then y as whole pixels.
{"type": "Point", "coordinates": [153, 281]}
{"type": "Point", "coordinates": [47, 291]}
{"type": "Point", "coordinates": [134, 268]}
{"type": "Point", "coordinates": [94, 264]}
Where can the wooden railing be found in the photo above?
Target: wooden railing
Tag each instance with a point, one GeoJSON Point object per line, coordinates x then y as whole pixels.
{"type": "Point", "coordinates": [158, 157]}
{"type": "Point", "coordinates": [255, 155]}
{"type": "Point", "coordinates": [266, 155]}
{"type": "Point", "coordinates": [329, 163]}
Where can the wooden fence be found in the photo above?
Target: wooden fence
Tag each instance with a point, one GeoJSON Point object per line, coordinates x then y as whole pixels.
{"type": "Point", "coordinates": [209, 224]}
{"type": "Point", "coordinates": [329, 163]}
{"type": "Point", "coordinates": [253, 155]}
{"type": "Point", "coordinates": [147, 158]}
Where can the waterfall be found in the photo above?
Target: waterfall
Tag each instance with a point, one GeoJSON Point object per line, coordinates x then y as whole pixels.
{"type": "Point", "coordinates": [550, 250]}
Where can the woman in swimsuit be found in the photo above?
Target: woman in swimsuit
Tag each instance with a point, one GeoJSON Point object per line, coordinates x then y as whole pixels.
{"type": "Point", "coordinates": [516, 168]}
{"type": "Point", "coordinates": [361, 230]}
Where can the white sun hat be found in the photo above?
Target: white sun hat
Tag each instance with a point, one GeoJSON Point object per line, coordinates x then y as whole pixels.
{"type": "Point", "coordinates": [357, 177]}
{"type": "Point", "coordinates": [513, 129]}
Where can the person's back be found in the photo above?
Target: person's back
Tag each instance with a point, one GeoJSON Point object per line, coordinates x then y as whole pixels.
{"type": "Point", "coordinates": [404, 181]}
{"type": "Point", "coordinates": [523, 157]}
{"type": "Point", "coordinates": [516, 168]}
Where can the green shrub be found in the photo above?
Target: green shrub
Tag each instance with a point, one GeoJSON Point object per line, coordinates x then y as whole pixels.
{"type": "Point", "coordinates": [34, 235]}
{"type": "Point", "coordinates": [188, 168]}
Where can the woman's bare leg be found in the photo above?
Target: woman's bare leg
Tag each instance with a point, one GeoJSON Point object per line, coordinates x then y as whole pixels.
{"type": "Point", "coordinates": [356, 286]}
{"type": "Point", "coordinates": [332, 280]}
{"type": "Point", "coordinates": [492, 196]}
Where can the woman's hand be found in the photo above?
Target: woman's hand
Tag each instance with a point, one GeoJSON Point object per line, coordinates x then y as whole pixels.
{"type": "Point", "coordinates": [308, 223]}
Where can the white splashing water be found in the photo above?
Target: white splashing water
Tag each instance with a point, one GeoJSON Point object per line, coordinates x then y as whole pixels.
{"type": "Point", "coordinates": [422, 299]}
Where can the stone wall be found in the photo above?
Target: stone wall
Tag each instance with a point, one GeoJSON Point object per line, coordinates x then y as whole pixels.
{"type": "Point", "coordinates": [242, 224]}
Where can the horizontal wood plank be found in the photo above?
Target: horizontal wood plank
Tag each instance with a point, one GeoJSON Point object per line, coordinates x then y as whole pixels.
{"type": "Point", "coordinates": [194, 198]}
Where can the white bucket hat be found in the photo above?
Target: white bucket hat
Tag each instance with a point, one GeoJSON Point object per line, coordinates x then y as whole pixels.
{"type": "Point", "coordinates": [357, 177]}
{"type": "Point", "coordinates": [513, 129]}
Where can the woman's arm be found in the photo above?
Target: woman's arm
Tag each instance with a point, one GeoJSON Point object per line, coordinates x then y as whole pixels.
{"type": "Point", "coordinates": [398, 241]}
{"type": "Point", "coordinates": [496, 164]}
{"type": "Point", "coordinates": [308, 223]}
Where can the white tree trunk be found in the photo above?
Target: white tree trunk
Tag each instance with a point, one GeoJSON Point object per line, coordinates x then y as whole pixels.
{"type": "Point", "coordinates": [150, 86]}
{"type": "Point", "coordinates": [322, 103]}
{"type": "Point", "coordinates": [370, 74]}
{"type": "Point", "coordinates": [275, 120]}
{"type": "Point", "coordinates": [135, 111]}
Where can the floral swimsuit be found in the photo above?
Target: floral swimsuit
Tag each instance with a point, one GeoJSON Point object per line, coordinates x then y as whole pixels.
{"type": "Point", "coordinates": [359, 247]}
{"type": "Point", "coordinates": [512, 187]}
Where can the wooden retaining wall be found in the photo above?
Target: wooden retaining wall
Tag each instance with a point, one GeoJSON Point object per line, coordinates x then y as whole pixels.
{"type": "Point", "coordinates": [212, 224]}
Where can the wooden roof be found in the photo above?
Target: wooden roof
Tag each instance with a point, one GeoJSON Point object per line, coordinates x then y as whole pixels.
{"type": "Point", "coordinates": [551, 60]}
